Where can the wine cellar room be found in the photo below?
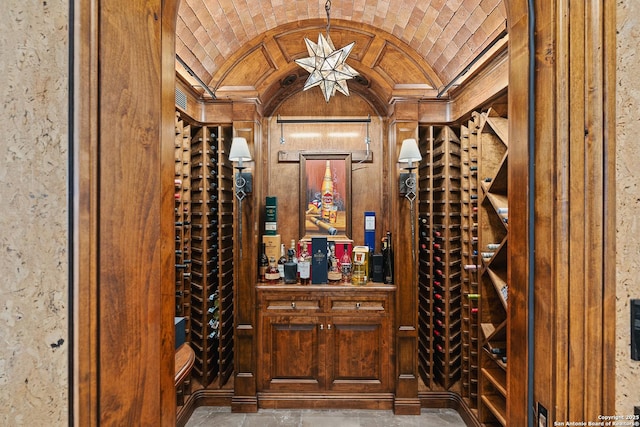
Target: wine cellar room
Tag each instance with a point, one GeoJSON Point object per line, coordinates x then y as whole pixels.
{"type": "Point", "coordinates": [352, 215]}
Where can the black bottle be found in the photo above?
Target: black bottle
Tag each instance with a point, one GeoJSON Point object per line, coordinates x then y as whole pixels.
{"type": "Point", "coordinates": [290, 269]}
{"type": "Point", "coordinates": [387, 255]}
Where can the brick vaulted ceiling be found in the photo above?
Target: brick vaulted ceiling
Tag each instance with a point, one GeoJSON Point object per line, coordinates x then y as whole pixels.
{"type": "Point", "coordinates": [404, 48]}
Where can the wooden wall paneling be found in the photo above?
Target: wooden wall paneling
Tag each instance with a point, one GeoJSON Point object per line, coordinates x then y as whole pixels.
{"type": "Point", "coordinates": [135, 186]}
{"type": "Point", "coordinates": [574, 146]}
{"type": "Point", "coordinates": [608, 59]}
{"type": "Point", "coordinates": [518, 351]}
{"type": "Point", "coordinates": [245, 271]}
{"type": "Point", "coordinates": [406, 400]}
{"type": "Point", "coordinates": [167, 411]}
{"type": "Point", "coordinates": [86, 277]}
{"type": "Point", "coordinates": [281, 172]}
{"type": "Point", "coordinates": [484, 86]}
{"type": "Point", "coordinates": [182, 217]}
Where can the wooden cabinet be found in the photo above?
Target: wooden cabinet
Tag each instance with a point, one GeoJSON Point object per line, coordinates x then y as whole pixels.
{"type": "Point", "coordinates": [325, 338]}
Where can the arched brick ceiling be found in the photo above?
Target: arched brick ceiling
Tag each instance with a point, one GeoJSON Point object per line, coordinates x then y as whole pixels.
{"type": "Point", "coordinates": [445, 35]}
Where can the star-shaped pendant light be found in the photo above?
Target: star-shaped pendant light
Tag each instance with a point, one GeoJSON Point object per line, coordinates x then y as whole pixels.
{"type": "Point", "coordinates": [326, 64]}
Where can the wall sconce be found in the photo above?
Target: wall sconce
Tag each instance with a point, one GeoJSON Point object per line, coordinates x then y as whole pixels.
{"type": "Point", "coordinates": [240, 153]}
{"type": "Point", "coordinates": [410, 153]}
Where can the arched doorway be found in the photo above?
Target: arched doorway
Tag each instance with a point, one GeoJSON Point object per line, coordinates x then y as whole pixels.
{"type": "Point", "coordinates": [122, 289]}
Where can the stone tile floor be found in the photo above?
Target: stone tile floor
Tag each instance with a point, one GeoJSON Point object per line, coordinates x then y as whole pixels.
{"type": "Point", "coordinates": [222, 417]}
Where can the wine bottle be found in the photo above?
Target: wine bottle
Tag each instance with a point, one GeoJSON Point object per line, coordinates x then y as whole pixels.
{"type": "Point", "coordinates": [304, 264]}
{"type": "Point", "coordinates": [388, 260]}
{"type": "Point", "coordinates": [281, 261]}
{"type": "Point", "coordinates": [272, 275]}
{"type": "Point", "coordinates": [291, 268]}
{"type": "Point", "coordinates": [345, 264]}
{"type": "Point", "coordinates": [263, 263]}
{"type": "Point", "coordinates": [334, 274]}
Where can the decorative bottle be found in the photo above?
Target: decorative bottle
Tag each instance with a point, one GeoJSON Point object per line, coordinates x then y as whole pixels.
{"type": "Point", "coordinates": [304, 264]}
{"type": "Point", "coordinates": [291, 268]}
{"type": "Point", "coordinates": [345, 265]}
{"type": "Point", "coordinates": [295, 258]}
{"type": "Point", "coordinates": [327, 193]}
{"type": "Point", "coordinates": [263, 263]}
{"type": "Point", "coordinates": [387, 254]}
{"type": "Point", "coordinates": [272, 275]}
{"type": "Point", "coordinates": [281, 261]}
{"type": "Point", "coordinates": [334, 274]}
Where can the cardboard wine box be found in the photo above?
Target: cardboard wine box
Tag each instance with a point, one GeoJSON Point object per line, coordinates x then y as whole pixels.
{"type": "Point", "coordinates": [272, 246]}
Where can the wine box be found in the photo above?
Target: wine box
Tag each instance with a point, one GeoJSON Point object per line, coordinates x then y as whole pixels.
{"type": "Point", "coordinates": [271, 216]}
{"type": "Point", "coordinates": [319, 263]}
{"type": "Point", "coordinates": [272, 246]}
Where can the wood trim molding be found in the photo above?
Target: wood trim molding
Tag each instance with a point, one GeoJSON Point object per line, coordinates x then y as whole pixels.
{"type": "Point", "coordinates": [124, 274]}
{"type": "Point", "coordinates": [85, 213]}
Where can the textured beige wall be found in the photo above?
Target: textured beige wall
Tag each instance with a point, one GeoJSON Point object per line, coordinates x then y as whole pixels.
{"type": "Point", "coordinates": [628, 200]}
{"type": "Point", "coordinates": [33, 213]}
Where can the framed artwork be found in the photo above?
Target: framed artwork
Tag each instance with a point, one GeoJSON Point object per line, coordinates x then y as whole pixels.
{"type": "Point", "coordinates": [325, 195]}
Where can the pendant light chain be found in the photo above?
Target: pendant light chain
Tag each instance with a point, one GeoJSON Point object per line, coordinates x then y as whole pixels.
{"type": "Point", "coordinates": [327, 7]}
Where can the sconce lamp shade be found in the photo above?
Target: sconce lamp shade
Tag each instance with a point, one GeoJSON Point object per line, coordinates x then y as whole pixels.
{"type": "Point", "coordinates": [239, 150]}
{"type": "Point", "coordinates": [409, 152]}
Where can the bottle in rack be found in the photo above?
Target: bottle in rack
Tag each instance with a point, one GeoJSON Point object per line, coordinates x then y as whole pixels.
{"type": "Point", "coordinates": [304, 264]}
{"type": "Point", "coordinates": [263, 263]}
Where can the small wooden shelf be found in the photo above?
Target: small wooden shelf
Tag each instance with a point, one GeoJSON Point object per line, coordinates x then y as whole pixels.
{"type": "Point", "coordinates": [493, 240]}
{"type": "Point", "coordinates": [497, 406]}
{"type": "Point", "coordinates": [497, 377]}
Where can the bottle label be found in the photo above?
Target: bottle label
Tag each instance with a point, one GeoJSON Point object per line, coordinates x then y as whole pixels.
{"type": "Point", "coordinates": [304, 268]}
{"type": "Point", "coordinates": [272, 276]}
{"type": "Point", "coordinates": [345, 268]}
{"type": "Point", "coordinates": [281, 270]}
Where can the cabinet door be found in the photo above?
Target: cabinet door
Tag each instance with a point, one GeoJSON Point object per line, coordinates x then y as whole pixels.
{"type": "Point", "coordinates": [292, 353]}
{"type": "Point", "coordinates": [358, 354]}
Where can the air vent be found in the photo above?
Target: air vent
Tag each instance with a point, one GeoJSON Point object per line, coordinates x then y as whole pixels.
{"type": "Point", "coordinates": [361, 80]}
{"type": "Point", "coordinates": [289, 80]}
{"type": "Point", "coordinates": [181, 99]}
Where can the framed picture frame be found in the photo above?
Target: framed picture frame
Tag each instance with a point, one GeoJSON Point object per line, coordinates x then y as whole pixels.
{"type": "Point", "coordinates": [325, 195]}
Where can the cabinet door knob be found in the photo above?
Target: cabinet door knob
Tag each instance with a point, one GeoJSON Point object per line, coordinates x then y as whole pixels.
{"type": "Point", "coordinates": [321, 326]}
{"type": "Point", "coordinates": [328, 325]}
{"type": "Point", "coordinates": [357, 305]}
{"type": "Point", "coordinates": [293, 304]}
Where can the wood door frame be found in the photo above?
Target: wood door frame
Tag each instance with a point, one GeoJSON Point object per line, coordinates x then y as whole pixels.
{"type": "Point", "coordinates": [553, 133]}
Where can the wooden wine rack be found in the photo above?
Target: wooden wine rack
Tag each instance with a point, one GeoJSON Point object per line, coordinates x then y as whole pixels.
{"type": "Point", "coordinates": [204, 250]}
{"type": "Point", "coordinates": [440, 259]}
{"type": "Point", "coordinates": [470, 267]}
{"type": "Point", "coordinates": [182, 212]}
{"type": "Point", "coordinates": [212, 253]}
{"type": "Point", "coordinates": [492, 250]}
